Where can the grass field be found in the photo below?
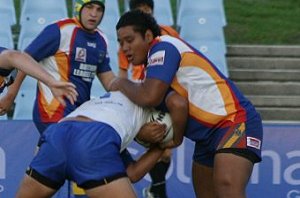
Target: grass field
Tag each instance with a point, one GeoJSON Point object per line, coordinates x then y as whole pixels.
{"type": "Point", "coordinates": [271, 22]}
{"type": "Point", "coordinates": [263, 21]}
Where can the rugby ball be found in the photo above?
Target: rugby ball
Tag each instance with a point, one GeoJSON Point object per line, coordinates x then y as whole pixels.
{"type": "Point", "coordinates": [163, 118]}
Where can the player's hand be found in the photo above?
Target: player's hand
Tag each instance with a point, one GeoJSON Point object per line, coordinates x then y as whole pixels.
{"type": "Point", "coordinates": [2, 111]}
{"type": "Point", "coordinates": [152, 132]}
{"type": "Point", "coordinates": [62, 90]}
{"type": "Point", "coordinates": [6, 101]}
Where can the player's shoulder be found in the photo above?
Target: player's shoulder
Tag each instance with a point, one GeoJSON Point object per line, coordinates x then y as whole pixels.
{"type": "Point", "coordinates": [102, 34]}
{"type": "Point", "coordinates": [168, 30]}
{"type": "Point", "coordinates": [66, 22]}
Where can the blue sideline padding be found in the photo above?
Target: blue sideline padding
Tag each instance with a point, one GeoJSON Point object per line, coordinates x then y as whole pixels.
{"type": "Point", "coordinates": [277, 176]}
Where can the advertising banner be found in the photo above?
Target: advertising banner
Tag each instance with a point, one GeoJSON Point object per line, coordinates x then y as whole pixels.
{"type": "Point", "coordinates": [278, 176]}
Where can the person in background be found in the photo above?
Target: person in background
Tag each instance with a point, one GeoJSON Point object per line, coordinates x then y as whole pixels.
{"type": "Point", "coordinates": [11, 59]}
{"type": "Point", "coordinates": [71, 50]}
{"type": "Point", "coordinates": [158, 172]}
{"type": "Point", "coordinates": [223, 123]}
{"type": "Point", "coordinates": [85, 147]}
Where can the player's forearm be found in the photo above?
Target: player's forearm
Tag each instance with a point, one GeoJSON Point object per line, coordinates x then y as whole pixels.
{"type": "Point", "coordinates": [34, 69]}
{"type": "Point", "coordinates": [143, 94]}
{"type": "Point", "coordinates": [28, 65]}
{"type": "Point", "coordinates": [13, 89]}
{"type": "Point", "coordinates": [123, 73]}
{"type": "Point", "coordinates": [5, 61]}
{"type": "Point", "coordinates": [144, 164]}
{"type": "Point", "coordinates": [106, 79]}
{"type": "Point", "coordinates": [178, 109]}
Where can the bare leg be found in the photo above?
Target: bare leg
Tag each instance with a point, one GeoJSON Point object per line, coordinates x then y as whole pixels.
{"type": "Point", "coordinates": [119, 188]}
{"type": "Point", "coordinates": [231, 175]}
{"type": "Point", "coordinates": [203, 181]}
{"type": "Point", "coordinates": [31, 188]}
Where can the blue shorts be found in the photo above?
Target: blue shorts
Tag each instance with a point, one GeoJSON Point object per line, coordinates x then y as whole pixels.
{"type": "Point", "coordinates": [85, 152]}
{"type": "Point", "coordinates": [42, 126]}
{"type": "Point", "coordinates": [244, 139]}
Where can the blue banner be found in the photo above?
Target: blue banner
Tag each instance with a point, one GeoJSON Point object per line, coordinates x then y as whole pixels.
{"type": "Point", "coordinates": [278, 176]}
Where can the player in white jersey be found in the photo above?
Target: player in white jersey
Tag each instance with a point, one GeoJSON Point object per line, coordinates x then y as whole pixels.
{"type": "Point", "coordinates": [85, 147]}
{"type": "Point", "coordinates": [115, 108]}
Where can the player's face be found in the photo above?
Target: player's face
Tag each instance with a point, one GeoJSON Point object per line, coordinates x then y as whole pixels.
{"type": "Point", "coordinates": [91, 15]}
{"type": "Point", "coordinates": [134, 45]}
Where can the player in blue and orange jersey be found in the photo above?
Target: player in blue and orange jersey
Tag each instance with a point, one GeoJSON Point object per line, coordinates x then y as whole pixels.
{"type": "Point", "coordinates": [71, 50]}
{"type": "Point", "coordinates": [226, 128]}
{"type": "Point", "coordinates": [11, 59]}
{"type": "Point", "coordinates": [146, 6]}
{"type": "Point", "coordinates": [158, 173]}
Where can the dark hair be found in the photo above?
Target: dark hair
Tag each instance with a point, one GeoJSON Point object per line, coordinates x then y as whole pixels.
{"type": "Point", "coordinates": [134, 4]}
{"type": "Point", "coordinates": [140, 21]}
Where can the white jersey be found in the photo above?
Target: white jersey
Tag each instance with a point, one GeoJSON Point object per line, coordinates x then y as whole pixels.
{"type": "Point", "coordinates": [116, 110]}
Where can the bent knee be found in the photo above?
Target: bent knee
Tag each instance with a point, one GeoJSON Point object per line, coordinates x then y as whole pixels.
{"type": "Point", "coordinates": [227, 187]}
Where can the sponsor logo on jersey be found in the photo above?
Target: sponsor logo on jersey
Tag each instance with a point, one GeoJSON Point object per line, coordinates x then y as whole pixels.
{"type": "Point", "coordinates": [86, 71]}
{"type": "Point", "coordinates": [158, 58]}
{"type": "Point", "coordinates": [80, 54]}
{"type": "Point", "coordinates": [93, 45]}
{"type": "Point", "coordinates": [253, 142]}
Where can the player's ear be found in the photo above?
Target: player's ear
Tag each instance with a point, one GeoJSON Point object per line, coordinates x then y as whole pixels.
{"type": "Point", "coordinates": [149, 36]}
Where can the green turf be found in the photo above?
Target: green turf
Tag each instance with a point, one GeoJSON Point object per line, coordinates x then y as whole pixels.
{"type": "Point", "coordinates": [263, 21]}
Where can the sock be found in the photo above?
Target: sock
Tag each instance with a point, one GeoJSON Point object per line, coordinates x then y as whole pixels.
{"type": "Point", "coordinates": [158, 176]}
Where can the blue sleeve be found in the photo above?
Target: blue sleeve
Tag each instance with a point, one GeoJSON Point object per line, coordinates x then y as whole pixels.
{"type": "Point", "coordinates": [105, 65]}
{"type": "Point", "coordinates": [127, 158]}
{"type": "Point", "coordinates": [163, 62]}
{"type": "Point", "coordinates": [2, 49]}
{"type": "Point", "coordinates": [45, 44]}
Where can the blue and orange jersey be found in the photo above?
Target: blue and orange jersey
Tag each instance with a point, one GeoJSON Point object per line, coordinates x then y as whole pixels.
{"type": "Point", "coordinates": [68, 53]}
{"type": "Point", "coordinates": [214, 101]}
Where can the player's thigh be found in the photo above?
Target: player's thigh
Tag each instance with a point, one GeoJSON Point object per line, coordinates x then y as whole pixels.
{"type": "Point", "coordinates": [202, 180]}
{"type": "Point", "coordinates": [117, 189]}
{"type": "Point", "coordinates": [230, 168]}
{"type": "Point", "coordinates": [31, 188]}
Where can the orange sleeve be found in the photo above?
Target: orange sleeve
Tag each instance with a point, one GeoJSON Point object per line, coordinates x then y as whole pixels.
{"type": "Point", "coordinates": [123, 62]}
{"type": "Point", "coordinates": [137, 70]}
{"type": "Point", "coordinates": [168, 30]}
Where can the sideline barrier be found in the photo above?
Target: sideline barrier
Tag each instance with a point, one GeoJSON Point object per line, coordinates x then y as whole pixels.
{"type": "Point", "coordinates": [278, 176]}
